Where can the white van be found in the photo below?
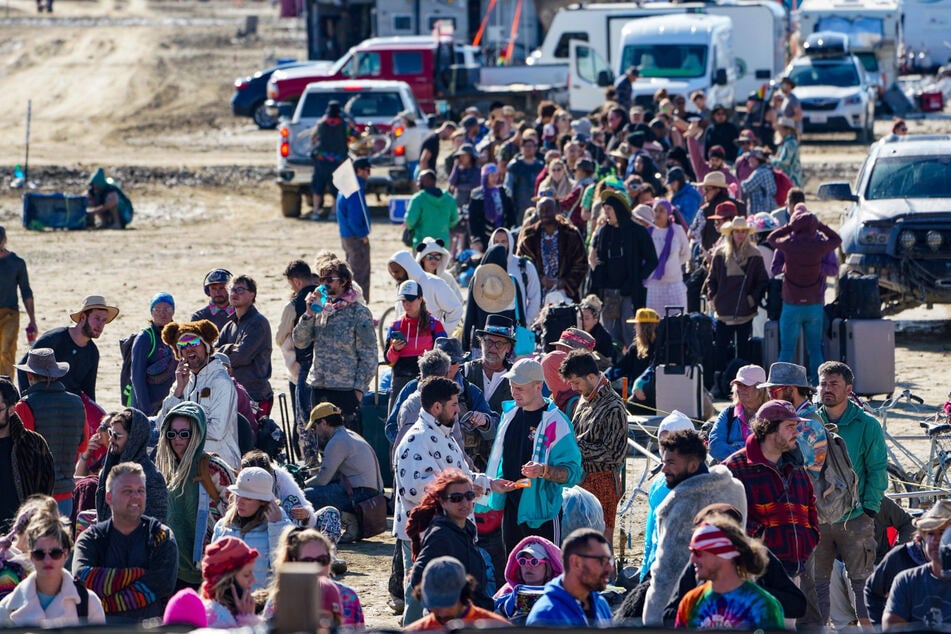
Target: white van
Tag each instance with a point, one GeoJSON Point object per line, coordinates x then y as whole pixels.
{"type": "Point", "coordinates": [679, 52]}
{"type": "Point", "coordinates": [760, 52]}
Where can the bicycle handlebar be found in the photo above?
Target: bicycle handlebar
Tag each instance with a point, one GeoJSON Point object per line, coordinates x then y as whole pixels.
{"type": "Point", "coordinates": [905, 395]}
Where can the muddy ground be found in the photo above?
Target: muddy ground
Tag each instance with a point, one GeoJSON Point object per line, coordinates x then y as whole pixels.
{"type": "Point", "coordinates": [142, 88]}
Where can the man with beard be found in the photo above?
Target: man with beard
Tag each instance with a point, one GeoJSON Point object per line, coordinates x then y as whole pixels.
{"type": "Point", "coordinates": [853, 536]}
{"type": "Point", "coordinates": [47, 408]}
{"type": "Point", "coordinates": [573, 598]}
{"type": "Point", "coordinates": [692, 487]}
{"type": "Point", "coordinates": [726, 560]}
{"type": "Point", "coordinates": [129, 432]}
{"type": "Point", "coordinates": [219, 309]}
{"type": "Point", "coordinates": [521, 172]}
{"type": "Point", "coordinates": [246, 339]}
{"type": "Point", "coordinates": [781, 504]}
{"type": "Point", "coordinates": [496, 340]}
{"type": "Point", "coordinates": [426, 449]}
{"type": "Point", "coordinates": [25, 459]}
{"type": "Point", "coordinates": [131, 559]}
{"type": "Point", "coordinates": [76, 344]}
{"type": "Point", "coordinates": [204, 380]}
{"type": "Point", "coordinates": [557, 250]}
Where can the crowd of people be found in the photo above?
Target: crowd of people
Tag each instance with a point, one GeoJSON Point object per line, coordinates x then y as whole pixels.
{"type": "Point", "coordinates": [507, 437]}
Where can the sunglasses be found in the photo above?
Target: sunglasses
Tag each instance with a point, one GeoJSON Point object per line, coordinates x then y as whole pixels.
{"type": "Point", "coordinates": [55, 554]}
{"type": "Point", "coordinates": [184, 434]}
{"type": "Point", "coordinates": [323, 560]}
{"type": "Point", "coordinates": [534, 561]}
{"type": "Point", "coordinates": [115, 435]}
{"type": "Point", "coordinates": [238, 290]}
{"type": "Point", "coordinates": [189, 341]}
{"type": "Point", "coordinates": [456, 498]}
{"type": "Point", "coordinates": [329, 278]}
{"type": "Point", "coordinates": [434, 256]}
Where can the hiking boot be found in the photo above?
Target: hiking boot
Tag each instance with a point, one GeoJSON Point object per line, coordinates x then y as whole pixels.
{"type": "Point", "coordinates": [396, 605]}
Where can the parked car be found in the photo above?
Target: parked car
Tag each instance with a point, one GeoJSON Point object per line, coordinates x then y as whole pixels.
{"type": "Point", "coordinates": [898, 226]}
{"type": "Point", "coordinates": [365, 103]}
{"type": "Point", "coordinates": [250, 93]}
{"type": "Point", "coordinates": [833, 88]}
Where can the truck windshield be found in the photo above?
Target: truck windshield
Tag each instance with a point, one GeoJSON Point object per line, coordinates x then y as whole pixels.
{"type": "Point", "coordinates": [863, 31]}
{"type": "Point", "coordinates": [910, 177]}
{"type": "Point", "coordinates": [666, 60]}
{"type": "Point", "coordinates": [376, 105]}
{"type": "Point", "coordinates": [841, 74]}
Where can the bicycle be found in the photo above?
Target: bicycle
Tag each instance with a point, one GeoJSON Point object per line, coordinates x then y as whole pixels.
{"type": "Point", "coordinates": [925, 478]}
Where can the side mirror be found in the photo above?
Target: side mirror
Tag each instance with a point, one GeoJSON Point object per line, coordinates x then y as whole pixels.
{"type": "Point", "coordinates": [839, 190]}
{"type": "Point", "coordinates": [719, 77]}
{"type": "Point", "coordinates": [605, 78]}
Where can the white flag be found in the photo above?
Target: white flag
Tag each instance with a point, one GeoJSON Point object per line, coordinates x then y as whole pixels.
{"type": "Point", "coordinates": [345, 179]}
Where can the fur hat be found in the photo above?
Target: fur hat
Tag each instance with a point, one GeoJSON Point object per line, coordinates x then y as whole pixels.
{"type": "Point", "coordinates": [203, 328]}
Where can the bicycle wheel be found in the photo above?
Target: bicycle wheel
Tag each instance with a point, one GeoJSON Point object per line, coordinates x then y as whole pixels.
{"type": "Point", "coordinates": [383, 324]}
{"type": "Point", "coordinates": [901, 482]}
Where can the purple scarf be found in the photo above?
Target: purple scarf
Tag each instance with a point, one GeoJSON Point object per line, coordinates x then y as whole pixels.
{"type": "Point", "coordinates": [491, 199]}
{"type": "Point", "coordinates": [668, 241]}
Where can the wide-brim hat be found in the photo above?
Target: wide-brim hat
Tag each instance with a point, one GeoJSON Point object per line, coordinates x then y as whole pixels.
{"type": "Point", "coordinates": [645, 214]}
{"type": "Point", "coordinates": [623, 151]}
{"type": "Point", "coordinates": [467, 148]}
{"type": "Point", "coordinates": [715, 178]}
{"type": "Point", "coordinates": [492, 288]}
{"type": "Point", "coordinates": [452, 347]}
{"type": "Point", "coordinates": [94, 302]}
{"type": "Point", "coordinates": [936, 517]}
{"type": "Point", "coordinates": [724, 211]}
{"type": "Point", "coordinates": [738, 223]}
{"type": "Point", "coordinates": [575, 339]}
{"type": "Point", "coordinates": [254, 483]}
{"type": "Point", "coordinates": [498, 326]}
{"type": "Point", "coordinates": [782, 373]}
{"type": "Point", "coordinates": [42, 362]}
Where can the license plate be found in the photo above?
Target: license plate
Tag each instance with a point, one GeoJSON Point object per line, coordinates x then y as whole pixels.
{"type": "Point", "coordinates": [818, 118]}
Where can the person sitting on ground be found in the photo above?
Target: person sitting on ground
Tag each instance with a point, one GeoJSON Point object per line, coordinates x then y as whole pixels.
{"type": "Point", "coordinates": [532, 564]}
{"type": "Point", "coordinates": [254, 516]}
{"type": "Point", "coordinates": [288, 494]}
{"type": "Point", "coordinates": [49, 597]}
{"type": "Point", "coordinates": [447, 591]}
{"type": "Point", "coordinates": [228, 571]}
{"type": "Point", "coordinates": [310, 545]}
{"type": "Point", "coordinates": [107, 206]}
{"type": "Point", "coordinates": [14, 548]}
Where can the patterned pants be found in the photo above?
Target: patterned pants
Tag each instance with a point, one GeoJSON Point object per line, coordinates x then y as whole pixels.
{"type": "Point", "coordinates": [606, 487]}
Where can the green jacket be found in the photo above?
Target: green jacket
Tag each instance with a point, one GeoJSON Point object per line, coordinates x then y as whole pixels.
{"type": "Point", "coordinates": [431, 216]}
{"type": "Point", "coordinates": [866, 446]}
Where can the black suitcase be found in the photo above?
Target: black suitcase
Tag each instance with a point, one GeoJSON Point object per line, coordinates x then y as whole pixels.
{"type": "Point", "coordinates": [859, 297]}
{"type": "Point", "coordinates": [373, 411]}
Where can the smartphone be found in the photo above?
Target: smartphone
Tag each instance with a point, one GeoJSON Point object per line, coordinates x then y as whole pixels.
{"type": "Point", "coordinates": [398, 336]}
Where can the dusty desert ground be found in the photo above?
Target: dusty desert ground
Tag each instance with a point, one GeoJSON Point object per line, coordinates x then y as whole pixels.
{"type": "Point", "coordinates": [141, 87]}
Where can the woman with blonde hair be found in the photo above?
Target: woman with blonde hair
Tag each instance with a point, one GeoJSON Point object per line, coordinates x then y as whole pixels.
{"type": "Point", "coordinates": [227, 590]}
{"type": "Point", "coordinates": [558, 182]}
{"type": "Point", "coordinates": [49, 597]}
{"type": "Point", "coordinates": [310, 545]}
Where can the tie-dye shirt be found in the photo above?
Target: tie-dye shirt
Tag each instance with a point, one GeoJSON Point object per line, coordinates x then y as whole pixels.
{"type": "Point", "coordinates": [746, 608]}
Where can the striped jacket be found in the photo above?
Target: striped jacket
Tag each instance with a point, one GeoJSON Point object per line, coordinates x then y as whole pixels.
{"type": "Point", "coordinates": [781, 504]}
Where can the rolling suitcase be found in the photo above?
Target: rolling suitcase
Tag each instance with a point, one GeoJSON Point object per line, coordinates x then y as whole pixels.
{"type": "Point", "coordinates": [867, 346]}
{"type": "Point", "coordinates": [373, 412]}
{"type": "Point", "coordinates": [678, 385]}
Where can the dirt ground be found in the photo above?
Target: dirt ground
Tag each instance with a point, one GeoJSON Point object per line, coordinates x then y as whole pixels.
{"type": "Point", "coordinates": [144, 86]}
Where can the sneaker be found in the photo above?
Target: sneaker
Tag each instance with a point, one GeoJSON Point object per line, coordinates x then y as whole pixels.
{"type": "Point", "coordinates": [338, 566]}
{"type": "Point", "coordinates": [396, 605]}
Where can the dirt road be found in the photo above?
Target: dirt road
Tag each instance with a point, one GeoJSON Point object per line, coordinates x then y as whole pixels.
{"type": "Point", "coordinates": [145, 86]}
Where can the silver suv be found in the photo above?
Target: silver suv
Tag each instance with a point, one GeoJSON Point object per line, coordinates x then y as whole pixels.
{"type": "Point", "coordinates": [898, 226]}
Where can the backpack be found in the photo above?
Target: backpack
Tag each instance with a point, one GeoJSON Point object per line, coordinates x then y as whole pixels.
{"type": "Point", "coordinates": [125, 373]}
{"type": "Point", "coordinates": [82, 610]}
{"type": "Point", "coordinates": [837, 486]}
{"type": "Point", "coordinates": [783, 185]}
{"type": "Point", "coordinates": [204, 474]}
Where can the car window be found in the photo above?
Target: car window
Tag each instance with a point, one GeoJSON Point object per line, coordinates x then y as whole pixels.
{"type": "Point", "coordinates": [407, 63]}
{"type": "Point", "coordinates": [910, 177]}
{"type": "Point", "coordinates": [667, 60]}
{"type": "Point", "coordinates": [841, 74]}
{"type": "Point", "coordinates": [562, 49]}
{"type": "Point", "coordinates": [374, 104]}
{"type": "Point", "coordinates": [367, 65]}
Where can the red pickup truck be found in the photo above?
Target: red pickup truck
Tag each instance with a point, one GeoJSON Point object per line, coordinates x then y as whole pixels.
{"type": "Point", "coordinates": [430, 65]}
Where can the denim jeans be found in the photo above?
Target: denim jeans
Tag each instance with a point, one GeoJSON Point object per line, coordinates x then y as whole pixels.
{"type": "Point", "coordinates": [414, 609]}
{"type": "Point", "coordinates": [810, 318]}
{"type": "Point", "coordinates": [334, 494]}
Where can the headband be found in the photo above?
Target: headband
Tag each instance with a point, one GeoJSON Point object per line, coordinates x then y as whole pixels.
{"type": "Point", "coordinates": [710, 539]}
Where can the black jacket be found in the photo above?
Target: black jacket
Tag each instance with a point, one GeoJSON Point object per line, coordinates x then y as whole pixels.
{"type": "Point", "coordinates": [478, 230]}
{"type": "Point", "coordinates": [445, 538]}
{"type": "Point", "coordinates": [627, 258]}
{"type": "Point", "coordinates": [901, 557]}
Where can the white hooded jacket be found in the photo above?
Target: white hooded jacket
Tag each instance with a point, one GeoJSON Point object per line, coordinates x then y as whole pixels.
{"type": "Point", "coordinates": [429, 245]}
{"type": "Point", "coordinates": [532, 291]}
{"type": "Point", "coordinates": [440, 299]}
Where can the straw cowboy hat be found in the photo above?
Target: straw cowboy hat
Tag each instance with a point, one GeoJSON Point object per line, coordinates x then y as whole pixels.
{"type": "Point", "coordinates": [714, 179]}
{"type": "Point", "coordinates": [91, 302]}
{"type": "Point", "coordinates": [492, 288]}
{"type": "Point", "coordinates": [739, 223]}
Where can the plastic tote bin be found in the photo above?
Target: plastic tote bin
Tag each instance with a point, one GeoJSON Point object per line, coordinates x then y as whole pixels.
{"type": "Point", "coordinates": [54, 211]}
{"type": "Point", "coordinates": [398, 207]}
{"type": "Point", "coordinates": [931, 102]}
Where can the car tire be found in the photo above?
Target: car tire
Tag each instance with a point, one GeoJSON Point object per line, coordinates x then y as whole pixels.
{"type": "Point", "coordinates": [260, 116]}
{"type": "Point", "coordinates": [290, 203]}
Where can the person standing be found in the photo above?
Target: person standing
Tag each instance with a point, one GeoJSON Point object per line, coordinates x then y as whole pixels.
{"type": "Point", "coordinates": [130, 559]}
{"type": "Point", "coordinates": [726, 560]}
{"type": "Point", "coordinates": [804, 242]}
{"type": "Point", "coordinates": [297, 360]}
{"type": "Point", "coordinates": [791, 106]}
{"type": "Point", "coordinates": [556, 249]}
{"type": "Point", "coordinates": [573, 598]}
{"type": "Point", "coordinates": [623, 87]}
{"type": "Point", "coordinates": [781, 504]}
{"type": "Point", "coordinates": [665, 285]}
{"type": "Point", "coordinates": [353, 220]}
{"type": "Point", "coordinates": [219, 309]}
{"type": "Point", "coordinates": [600, 422]}
{"type": "Point", "coordinates": [13, 276]}
{"type": "Point", "coordinates": [57, 415]}
{"type": "Point", "coordinates": [330, 142]}
{"type": "Point", "coordinates": [246, 339]}
{"type": "Point", "coordinates": [759, 188]}
{"type": "Point", "coordinates": [521, 172]}
{"type": "Point", "coordinates": [343, 340]}
{"type": "Point", "coordinates": [76, 344]}
{"type": "Point", "coordinates": [153, 362]}
{"type": "Point", "coordinates": [432, 212]}
{"type": "Point", "coordinates": [853, 536]}
{"type": "Point", "coordinates": [25, 459]}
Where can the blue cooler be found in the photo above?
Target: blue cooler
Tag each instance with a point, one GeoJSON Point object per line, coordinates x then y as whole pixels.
{"type": "Point", "coordinates": [53, 211]}
{"type": "Point", "coordinates": [398, 207]}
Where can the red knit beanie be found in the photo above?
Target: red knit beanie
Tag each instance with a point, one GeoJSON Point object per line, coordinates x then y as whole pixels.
{"type": "Point", "coordinates": [222, 557]}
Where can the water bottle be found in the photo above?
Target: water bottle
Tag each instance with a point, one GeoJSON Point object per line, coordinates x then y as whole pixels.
{"type": "Point", "coordinates": [318, 306]}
